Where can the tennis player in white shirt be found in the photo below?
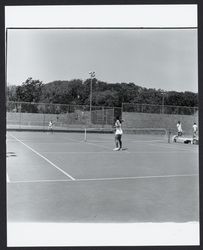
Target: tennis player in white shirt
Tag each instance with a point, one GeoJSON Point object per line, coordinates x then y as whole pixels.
{"type": "Point", "coordinates": [118, 134]}
{"type": "Point", "coordinates": [179, 127]}
{"type": "Point", "coordinates": [194, 130]}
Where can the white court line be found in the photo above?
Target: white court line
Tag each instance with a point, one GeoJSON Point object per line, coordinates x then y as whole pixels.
{"type": "Point", "coordinates": [125, 151]}
{"type": "Point", "coordinates": [100, 146]}
{"type": "Point", "coordinates": [109, 178]}
{"type": "Point", "coordinates": [44, 158]}
{"type": "Point", "coordinates": [12, 140]}
{"type": "Point", "coordinates": [112, 152]}
{"type": "Point", "coordinates": [143, 141]}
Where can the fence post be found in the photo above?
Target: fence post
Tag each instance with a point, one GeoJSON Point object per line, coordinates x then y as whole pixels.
{"type": "Point", "coordinates": [44, 121]}
{"type": "Point", "coordinates": [121, 110]}
{"type": "Point", "coordinates": [113, 118]}
{"type": "Point", "coordinates": [20, 117]}
{"type": "Point", "coordinates": [194, 110]}
{"type": "Point", "coordinates": [142, 108]}
{"type": "Point", "coordinates": [102, 116]}
{"type": "Point", "coordinates": [169, 135]}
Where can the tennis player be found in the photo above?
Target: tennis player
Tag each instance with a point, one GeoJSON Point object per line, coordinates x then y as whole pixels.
{"type": "Point", "coordinates": [118, 134]}
{"type": "Point", "coordinates": [179, 127]}
{"type": "Point", "coordinates": [50, 126]}
{"type": "Point", "coordinates": [194, 130]}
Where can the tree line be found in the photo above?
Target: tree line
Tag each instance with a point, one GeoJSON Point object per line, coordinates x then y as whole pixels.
{"type": "Point", "coordinates": [77, 92]}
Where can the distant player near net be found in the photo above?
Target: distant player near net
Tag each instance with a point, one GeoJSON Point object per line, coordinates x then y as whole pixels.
{"type": "Point", "coordinates": [50, 126]}
{"type": "Point", "coordinates": [118, 134]}
{"type": "Point", "coordinates": [194, 130]}
{"type": "Point", "coordinates": [179, 128]}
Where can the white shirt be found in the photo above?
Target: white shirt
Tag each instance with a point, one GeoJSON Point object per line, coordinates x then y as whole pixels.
{"type": "Point", "coordinates": [195, 128]}
{"type": "Point", "coordinates": [119, 130]}
{"type": "Point", "coordinates": [179, 127]}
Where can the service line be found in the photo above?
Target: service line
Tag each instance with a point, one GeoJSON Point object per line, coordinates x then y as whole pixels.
{"type": "Point", "coordinates": [110, 178]}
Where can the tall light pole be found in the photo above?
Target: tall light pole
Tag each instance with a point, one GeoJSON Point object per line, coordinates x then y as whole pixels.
{"type": "Point", "coordinates": [92, 75]}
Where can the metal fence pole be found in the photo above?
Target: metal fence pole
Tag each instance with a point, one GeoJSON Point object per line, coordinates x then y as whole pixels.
{"type": "Point", "coordinates": [20, 117]}
{"type": "Point", "coordinates": [103, 115]}
{"type": "Point", "coordinates": [121, 110]}
{"type": "Point", "coordinates": [44, 119]}
{"type": "Point", "coordinates": [114, 115]}
{"type": "Point", "coordinates": [194, 110]}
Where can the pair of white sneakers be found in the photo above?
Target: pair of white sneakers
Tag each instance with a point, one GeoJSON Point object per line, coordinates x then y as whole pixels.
{"type": "Point", "coordinates": [116, 149]}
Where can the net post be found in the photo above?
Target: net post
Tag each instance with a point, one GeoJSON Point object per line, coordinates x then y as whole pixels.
{"type": "Point", "coordinates": [85, 137]}
{"type": "Point", "coordinates": [44, 120]}
{"type": "Point", "coordinates": [169, 135]}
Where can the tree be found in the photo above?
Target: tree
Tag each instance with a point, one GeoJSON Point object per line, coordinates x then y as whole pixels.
{"type": "Point", "coordinates": [11, 93]}
{"type": "Point", "coordinates": [105, 98]}
{"type": "Point", "coordinates": [77, 92]}
{"type": "Point", "coordinates": [29, 91]}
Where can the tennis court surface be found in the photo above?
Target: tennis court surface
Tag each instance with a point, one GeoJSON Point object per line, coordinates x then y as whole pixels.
{"type": "Point", "coordinates": [59, 177]}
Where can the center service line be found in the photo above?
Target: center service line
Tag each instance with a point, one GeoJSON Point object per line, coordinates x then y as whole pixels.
{"type": "Point", "coordinates": [101, 146]}
{"type": "Point", "coordinates": [90, 143]}
{"type": "Point", "coordinates": [44, 158]}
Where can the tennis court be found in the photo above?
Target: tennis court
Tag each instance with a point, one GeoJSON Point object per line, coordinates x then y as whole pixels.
{"type": "Point", "coordinates": [59, 177]}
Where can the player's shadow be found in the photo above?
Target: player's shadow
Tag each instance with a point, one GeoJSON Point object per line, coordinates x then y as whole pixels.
{"type": "Point", "coordinates": [11, 154]}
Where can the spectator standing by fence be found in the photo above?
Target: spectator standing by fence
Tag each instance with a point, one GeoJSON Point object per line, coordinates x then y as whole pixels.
{"type": "Point", "coordinates": [195, 129]}
{"type": "Point", "coordinates": [179, 128]}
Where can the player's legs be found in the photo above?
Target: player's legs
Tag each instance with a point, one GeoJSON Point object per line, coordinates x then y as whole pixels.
{"type": "Point", "coordinates": [194, 134]}
{"type": "Point", "coordinates": [116, 142]}
{"type": "Point", "coordinates": [120, 141]}
{"type": "Point", "coordinates": [50, 129]}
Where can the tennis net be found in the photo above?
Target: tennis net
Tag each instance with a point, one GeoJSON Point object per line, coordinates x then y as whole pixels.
{"type": "Point", "coordinates": [130, 134]}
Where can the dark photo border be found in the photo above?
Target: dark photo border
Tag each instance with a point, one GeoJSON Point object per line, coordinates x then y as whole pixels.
{"type": "Point", "coordinates": [3, 212]}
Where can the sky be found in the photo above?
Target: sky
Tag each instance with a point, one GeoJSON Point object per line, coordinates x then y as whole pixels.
{"type": "Point", "coordinates": [152, 58]}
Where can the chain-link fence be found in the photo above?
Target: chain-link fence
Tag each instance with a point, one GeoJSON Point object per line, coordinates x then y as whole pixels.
{"type": "Point", "coordinates": [38, 115]}
{"type": "Point", "coordinates": [159, 116]}
{"type": "Point", "coordinates": [159, 109]}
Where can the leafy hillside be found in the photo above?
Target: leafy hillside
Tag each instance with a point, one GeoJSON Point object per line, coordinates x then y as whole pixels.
{"type": "Point", "coordinates": [103, 94]}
